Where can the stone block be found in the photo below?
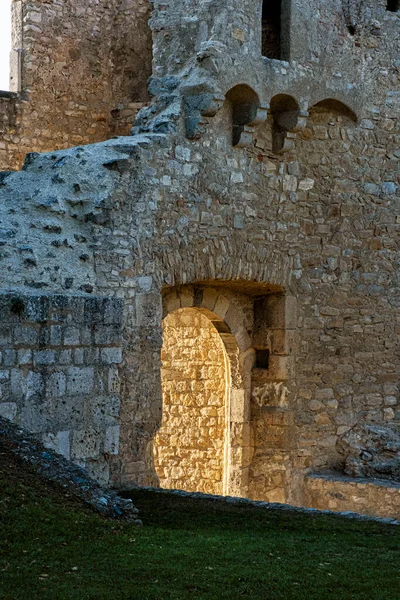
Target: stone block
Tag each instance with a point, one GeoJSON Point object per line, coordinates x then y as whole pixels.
{"type": "Point", "coordinates": [44, 357]}
{"type": "Point", "coordinates": [25, 335]}
{"type": "Point", "coordinates": [79, 356]}
{"type": "Point", "coordinates": [240, 409]}
{"type": "Point", "coordinates": [24, 357]}
{"type": "Point", "coordinates": [172, 302]}
{"type": "Point", "coordinates": [56, 335]}
{"type": "Point", "coordinates": [111, 356]}
{"type": "Point", "coordinates": [113, 311]}
{"type": "Point", "coordinates": [35, 385]}
{"type": "Point", "coordinates": [9, 357]}
{"type": "Point", "coordinates": [56, 385]}
{"type": "Point", "coordinates": [59, 442]}
{"type": "Point", "coordinates": [280, 368]}
{"type": "Point", "coordinates": [5, 335]}
{"type": "Point", "coordinates": [210, 296]}
{"type": "Point", "coordinates": [282, 341]}
{"type": "Point", "coordinates": [103, 410]}
{"type": "Point", "coordinates": [222, 306]}
{"type": "Point", "coordinates": [113, 380]}
{"type": "Point", "coordinates": [149, 309]}
{"type": "Point", "coordinates": [85, 444]}
{"type": "Point", "coordinates": [111, 440]}
{"type": "Point", "coordinates": [80, 380]}
{"type": "Point", "coordinates": [71, 336]}
{"type": "Point", "coordinates": [65, 357]}
{"type": "Point", "coordinates": [8, 410]}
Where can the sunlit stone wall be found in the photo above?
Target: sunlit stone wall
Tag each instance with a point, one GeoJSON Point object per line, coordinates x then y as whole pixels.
{"type": "Point", "coordinates": [190, 446]}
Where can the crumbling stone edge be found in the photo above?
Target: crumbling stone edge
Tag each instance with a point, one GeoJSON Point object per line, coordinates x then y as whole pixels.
{"type": "Point", "coordinates": [268, 505]}
{"type": "Point", "coordinates": [55, 468]}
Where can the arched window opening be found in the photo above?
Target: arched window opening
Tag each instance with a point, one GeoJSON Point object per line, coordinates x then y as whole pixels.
{"type": "Point", "coordinates": [272, 28]}
{"type": "Point", "coordinates": [330, 106]}
{"type": "Point", "coordinates": [244, 102]}
{"type": "Point", "coordinates": [5, 44]}
{"type": "Point", "coordinates": [285, 113]}
{"type": "Point", "coordinates": [393, 5]}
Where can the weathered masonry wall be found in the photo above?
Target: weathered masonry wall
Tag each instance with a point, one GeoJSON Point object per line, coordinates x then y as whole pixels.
{"type": "Point", "coordinates": [59, 362]}
{"type": "Point", "coordinates": [190, 446]}
{"type": "Point", "coordinates": [83, 70]}
{"type": "Point", "coordinates": [248, 181]}
{"type": "Point", "coordinates": [375, 498]}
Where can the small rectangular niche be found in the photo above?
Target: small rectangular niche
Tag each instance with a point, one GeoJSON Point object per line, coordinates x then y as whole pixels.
{"type": "Point", "coordinates": [393, 6]}
{"type": "Point", "coordinates": [271, 27]}
{"type": "Point", "coordinates": [262, 359]}
{"type": "Point", "coordinates": [5, 45]}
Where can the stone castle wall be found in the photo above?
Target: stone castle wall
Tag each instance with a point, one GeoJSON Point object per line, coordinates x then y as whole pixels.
{"type": "Point", "coordinates": [83, 74]}
{"type": "Point", "coordinates": [190, 445]}
{"type": "Point", "coordinates": [59, 358]}
{"type": "Point", "coordinates": [302, 210]}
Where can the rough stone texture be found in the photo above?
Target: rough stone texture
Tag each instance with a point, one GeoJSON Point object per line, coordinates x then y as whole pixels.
{"type": "Point", "coordinates": [53, 467]}
{"type": "Point", "coordinates": [334, 492]}
{"type": "Point", "coordinates": [190, 447]}
{"type": "Point", "coordinates": [274, 506]}
{"type": "Point", "coordinates": [372, 451]}
{"type": "Point", "coordinates": [80, 74]}
{"type": "Point", "coordinates": [262, 191]}
{"type": "Point", "coordinates": [58, 374]}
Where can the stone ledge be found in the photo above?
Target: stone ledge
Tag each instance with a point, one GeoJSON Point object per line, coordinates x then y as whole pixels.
{"type": "Point", "coordinates": [55, 468]}
{"type": "Point", "coordinates": [9, 95]}
{"type": "Point", "coordinates": [333, 476]}
{"type": "Point", "coordinates": [338, 493]}
{"type": "Point", "coordinates": [266, 505]}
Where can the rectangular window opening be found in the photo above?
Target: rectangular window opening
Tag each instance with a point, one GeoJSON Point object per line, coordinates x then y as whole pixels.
{"type": "Point", "coordinates": [262, 359]}
{"type": "Point", "coordinates": [393, 5]}
{"type": "Point", "coordinates": [5, 44]}
{"type": "Point", "coordinates": [272, 29]}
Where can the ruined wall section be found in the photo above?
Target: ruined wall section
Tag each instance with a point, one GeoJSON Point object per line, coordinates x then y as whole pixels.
{"type": "Point", "coordinates": [190, 446]}
{"type": "Point", "coordinates": [84, 70]}
{"type": "Point", "coordinates": [58, 373]}
{"type": "Point", "coordinates": [320, 221]}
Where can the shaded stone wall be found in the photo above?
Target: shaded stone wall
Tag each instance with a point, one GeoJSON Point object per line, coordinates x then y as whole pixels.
{"type": "Point", "coordinates": [83, 74]}
{"type": "Point", "coordinates": [190, 447]}
{"type": "Point", "coordinates": [59, 378]}
{"type": "Point", "coordinates": [305, 206]}
{"type": "Point", "coordinates": [365, 496]}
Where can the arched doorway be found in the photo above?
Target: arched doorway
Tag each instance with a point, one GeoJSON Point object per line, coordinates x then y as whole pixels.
{"type": "Point", "coordinates": [192, 446]}
{"type": "Point", "coordinates": [225, 319]}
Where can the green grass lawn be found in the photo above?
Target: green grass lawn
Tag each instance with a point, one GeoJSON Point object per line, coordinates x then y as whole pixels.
{"type": "Point", "coordinates": [52, 548]}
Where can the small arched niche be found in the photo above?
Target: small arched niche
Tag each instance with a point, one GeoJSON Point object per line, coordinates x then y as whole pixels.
{"type": "Point", "coordinates": [285, 112]}
{"type": "Point", "coordinates": [330, 107]}
{"type": "Point", "coordinates": [393, 5]}
{"type": "Point", "coordinates": [245, 103]}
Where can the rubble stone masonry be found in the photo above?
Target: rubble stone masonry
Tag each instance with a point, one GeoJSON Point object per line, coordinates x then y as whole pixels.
{"type": "Point", "coordinates": [191, 444]}
{"type": "Point", "coordinates": [79, 74]}
{"type": "Point", "coordinates": [263, 193]}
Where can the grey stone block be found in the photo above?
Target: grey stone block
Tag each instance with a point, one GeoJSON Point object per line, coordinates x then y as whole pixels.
{"type": "Point", "coordinates": [56, 385]}
{"type": "Point", "coordinates": [80, 380]}
{"type": "Point", "coordinates": [59, 442]}
{"type": "Point", "coordinates": [9, 357]}
{"type": "Point", "coordinates": [26, 335]}
{"type": "Point", "coordinates": [44, 357]}
{"type": "Point", "coordinates": [111, 355]}
{"type": "Point", "coordinates": [85, 444]}
{"type": "Point", "coordinates": [8, 410]}
{"type": "Point", "coordinates": [111, 441]}
{"type": "Point", "coordinates": [24, 357]}
{"type": "Point", "coordinates": [71, 336]}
